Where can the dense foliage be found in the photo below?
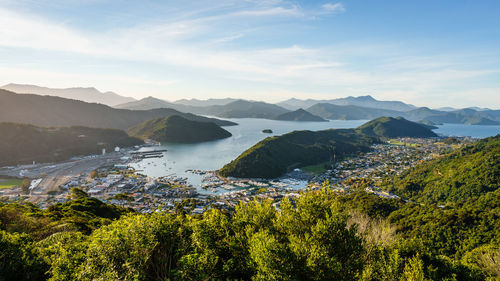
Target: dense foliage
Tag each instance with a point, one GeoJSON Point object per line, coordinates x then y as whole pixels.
{"type": "Point", "coordinates": [21, 144]}
{"type": "Point", "coordinates": [178, 129]}
{"type": "Point", "coordinates": [321, 235]}
{"type": "Point", "coordinates": [274, 156]}
{"type": "Point", "coordinates": [455, 178]}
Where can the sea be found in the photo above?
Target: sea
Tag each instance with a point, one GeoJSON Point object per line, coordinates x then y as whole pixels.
{"type": "Point", "coordinates": [180, 159]}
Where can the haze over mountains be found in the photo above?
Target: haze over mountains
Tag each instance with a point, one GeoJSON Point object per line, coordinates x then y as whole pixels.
{"type": "Point", "coordinates": [48, 111]}
{"type": "Point", "coordinates": [78, 93]}
{"type": "Point", "coordinates": [349, 108]}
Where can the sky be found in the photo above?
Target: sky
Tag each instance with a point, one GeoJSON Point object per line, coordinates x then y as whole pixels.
{"type": "Point", "coordinates": [427, 53]}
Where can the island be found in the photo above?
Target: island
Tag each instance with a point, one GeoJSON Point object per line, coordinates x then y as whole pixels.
{"type": "Point", "coordinates": [299, 115]}
{"type": "Point", "coordinates": [267, 131]}
{"type": "Point", "coordinates": [178, 129]}
{"type": "Point", "coordinates": [274, 156]}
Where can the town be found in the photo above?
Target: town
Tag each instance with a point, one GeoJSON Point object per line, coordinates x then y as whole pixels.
{"type": "Point", "coordinates": [111, 179]}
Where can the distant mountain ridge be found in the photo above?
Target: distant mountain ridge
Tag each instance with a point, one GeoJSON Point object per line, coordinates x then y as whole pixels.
{"type": "Point", "coordinates": [48, 111]}
{"type": "Point", "coordinates": [363, 101]}
{"type": "Point", "coordinates": [89, 94]}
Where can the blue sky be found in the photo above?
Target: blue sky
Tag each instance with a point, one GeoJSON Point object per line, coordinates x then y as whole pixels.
{"type": "Point", "coordinates": [428, 53]}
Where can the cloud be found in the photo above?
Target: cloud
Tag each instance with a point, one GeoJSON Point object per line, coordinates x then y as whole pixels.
{"type": "Point", "coordinates": [333, 7]}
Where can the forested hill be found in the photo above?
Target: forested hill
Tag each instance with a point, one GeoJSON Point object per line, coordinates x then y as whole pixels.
{"type": "Point", "coordinates": [23, 144]}
{"type": "Point", "coordinates": [389, 127]}
{"type": "Point", "coordinates": [274, 156]}
{"type": "Point", "coordinates": [462, 175]}
{"type": "Point", "coordinates": [49, 111]}
{"type": "Point", "coordinates": [178, 129]}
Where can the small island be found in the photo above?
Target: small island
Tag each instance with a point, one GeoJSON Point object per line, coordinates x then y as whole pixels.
{"type": "Point", "coordinates": [179, 130]}
{"type": "Point", "coordinates": [267, 131]}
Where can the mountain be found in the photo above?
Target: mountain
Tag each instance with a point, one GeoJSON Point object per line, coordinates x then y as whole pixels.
{"type": "Point", "coordinates": [363, 101]}
{"type": "Point", "coordinates": [47, 111]}
{"type": "Point", "coordinates": [208, 102]}
{"type": "Point", "coordinates": [299, 115]}
{"type": "Point", "coordinates": [234, 109]}
{"type": "Point", "coordinates": [389, 127]}
{"type": "Point", "coordinates": [461, 116]}
{"type": "Point", "coordinates": [349, 112]}
{"type": "Point", "coordinates": [463, 175]}
{"type": "Point", "coordinates": [146, 104]}
{"type": "Point", "coordinates": [274, 156]}
{"type": "Point", "coordinates": [178, 129]}
{"type": "Point", "coordinates": [84, 94]}
{"type": "Point", "coordinates": [22, 144]}
{"type": "Point", "coordinates": [245, 109]}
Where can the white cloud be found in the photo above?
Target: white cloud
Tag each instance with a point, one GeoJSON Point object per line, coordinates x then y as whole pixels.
{"type": "Point", "coordinates": [333, 7]}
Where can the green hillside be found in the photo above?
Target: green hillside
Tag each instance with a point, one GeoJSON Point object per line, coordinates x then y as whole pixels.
{"type": "Point", "coordinates": [274, 156]}
{"type": "Point", "coordinates": [244, 109]}
{"type": "Point", "coordinates": [178, 129]}
{"type": "Point", "coordinates": [469, 172]}
{"type": "Point", "coordinates": [48, 111]}
{"type": "Point", "coordinates": [389, 127]}
{"type": "Point", "coordinates": [299, 115]}
{"type": "Point", "coordinates": [22, 144]}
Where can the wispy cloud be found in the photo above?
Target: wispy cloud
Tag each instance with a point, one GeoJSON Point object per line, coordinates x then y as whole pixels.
{"type": "Point", "coordinates": [333, 7]}
{"type": "Point", "coordinates": [203, 45]}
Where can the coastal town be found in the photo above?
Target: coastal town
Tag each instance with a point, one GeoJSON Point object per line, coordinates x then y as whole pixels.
{"type": "Point", "coordinates": [112, 179]}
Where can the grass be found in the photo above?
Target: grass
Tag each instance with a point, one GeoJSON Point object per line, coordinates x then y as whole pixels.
{"type": "Point", "coordinates": [395, 142]}
{"type": "Point", "coordinates": [4, 184]}
{"type": "Point", "coordinates": [315, 169]}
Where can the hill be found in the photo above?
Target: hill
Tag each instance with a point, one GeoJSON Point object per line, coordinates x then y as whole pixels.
{"type": "Point", "coordinates": [245, 109]}
{"type": "Point", "coordinates": [350, 112]}
{"type": "Point", "coordinates": [455, 178]}
{"type": "Point", "coordinates": [82, 94]}
{"type": "Point", "coordinates": [146, 104]}
{"type": "Point", "coordinates": [299, 115]}
{"type": "Point", "coordinates": [23, 144]}
{"type": "Point", "coordinates": [178, 129]}
{"type": "Point", "coordinates": [362, 101]}
{"type": "Point", "coordinates": [389, 127]}
{"type": "Point", "coordinates": [208, 102]}
{"type": "Point", "coordinates": [47, 111]}
{"type": "Point", "coordinates": [274, 156]}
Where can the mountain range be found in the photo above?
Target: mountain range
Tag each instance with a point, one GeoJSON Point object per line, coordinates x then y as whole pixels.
{"type": "Point", "coordinates": [48, 111]}
{"type": "Point", "coordinates": [91, 94]}
{"type": "Point", "coordinates": [363, 101]}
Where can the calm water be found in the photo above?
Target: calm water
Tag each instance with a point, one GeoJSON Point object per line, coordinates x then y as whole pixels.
{"type": "Point", "coordinates": [213, 155]}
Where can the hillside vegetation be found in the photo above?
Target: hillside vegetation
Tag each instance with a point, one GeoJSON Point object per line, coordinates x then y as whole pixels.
{"type": "Point", "coordinates": [22, 144]}
{"type": "Point", "coordinates": [469, 172]}
{"type": "Point", "coordinates": [389, 127]}
{"type": "Point", "coordinates": [178, 129]}
{"type": "Point", "coordinates": [48, 111]}
{"type": "Point", "coordinates": [274, 156]}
